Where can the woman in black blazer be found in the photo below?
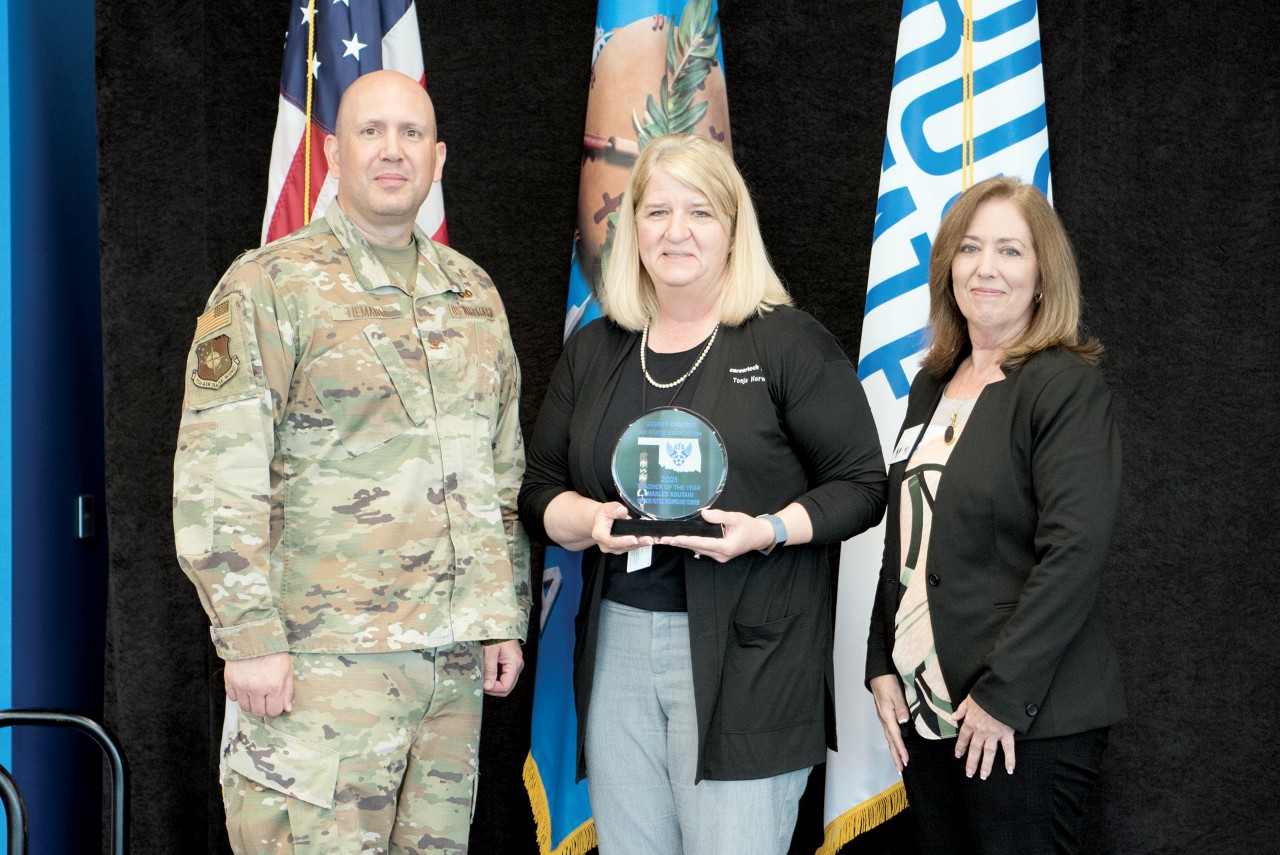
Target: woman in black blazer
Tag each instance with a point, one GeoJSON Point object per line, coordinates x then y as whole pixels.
{"type": "Point", "coordinates": [987, 648]}
{"type": "Point", "coordinates": [702, 668]}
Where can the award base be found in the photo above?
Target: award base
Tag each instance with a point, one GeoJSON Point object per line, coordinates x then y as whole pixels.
{"type": "Point", "coordinates": [667, 528]}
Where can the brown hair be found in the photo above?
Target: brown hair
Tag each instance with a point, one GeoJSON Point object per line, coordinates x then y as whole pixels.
{"type": "Point", "coordinates": [1055, 312]}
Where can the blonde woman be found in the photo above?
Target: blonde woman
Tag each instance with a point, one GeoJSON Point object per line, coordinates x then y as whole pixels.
{"type": "Point", "coordinates": [702, 678]}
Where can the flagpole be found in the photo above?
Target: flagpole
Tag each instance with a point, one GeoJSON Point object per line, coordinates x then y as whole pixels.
{"type": "Point", "coordinates": [306, 134]}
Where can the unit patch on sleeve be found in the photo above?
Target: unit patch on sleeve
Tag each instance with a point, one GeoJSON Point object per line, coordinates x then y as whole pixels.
{"type": "Point", "coordinates": [219, 363]}
{"type": "Point", "coordinates": [215, 364]}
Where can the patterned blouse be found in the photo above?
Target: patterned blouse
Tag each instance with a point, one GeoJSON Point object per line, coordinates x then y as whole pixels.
{"type": "Point", "coordinates": [914, 653]}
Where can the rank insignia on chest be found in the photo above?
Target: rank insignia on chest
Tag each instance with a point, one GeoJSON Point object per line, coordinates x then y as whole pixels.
{"type": "Point", "coordinates": [214, 363]}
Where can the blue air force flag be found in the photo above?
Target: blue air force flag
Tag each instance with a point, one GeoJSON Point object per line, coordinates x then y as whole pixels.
{"type": "Point", "coordinates": [967, 104]}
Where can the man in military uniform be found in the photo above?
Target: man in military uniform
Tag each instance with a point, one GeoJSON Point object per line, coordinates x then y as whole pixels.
{"type": "Point", "coordinates": [345, 504]}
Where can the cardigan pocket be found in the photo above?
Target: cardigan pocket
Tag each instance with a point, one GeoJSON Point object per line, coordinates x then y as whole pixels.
{"type": "Point", "coordinates": [770, 679]}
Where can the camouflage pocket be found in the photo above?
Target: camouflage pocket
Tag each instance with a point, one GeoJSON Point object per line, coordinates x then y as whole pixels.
{"type": "Point", "coordinates": [484, 357]}
{"type": "Point", "coordinates": [283, 763]}
{"type": "Point", "coordinates": [366, 390]}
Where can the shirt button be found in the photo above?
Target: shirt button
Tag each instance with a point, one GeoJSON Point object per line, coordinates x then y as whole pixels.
{"type": "Point", "coordinates": [1032, 709]}
{"type": "Point", "coordinates": [934, 580]}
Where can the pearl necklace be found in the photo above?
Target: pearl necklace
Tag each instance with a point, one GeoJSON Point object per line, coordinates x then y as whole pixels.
{"type": "Point", "coordinates": [644, 366]}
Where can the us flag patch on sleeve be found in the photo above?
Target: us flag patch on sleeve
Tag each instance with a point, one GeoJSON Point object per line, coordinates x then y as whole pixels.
{"type": "Point", "coordinates": [214, 319]}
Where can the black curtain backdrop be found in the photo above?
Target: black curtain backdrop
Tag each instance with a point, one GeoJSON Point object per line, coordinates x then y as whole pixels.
{"type": "Point", "coordinates": [1163, 131]}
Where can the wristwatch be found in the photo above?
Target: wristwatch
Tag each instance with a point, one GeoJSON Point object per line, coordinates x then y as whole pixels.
{"type": "Point", "coordinates": [779, 532]}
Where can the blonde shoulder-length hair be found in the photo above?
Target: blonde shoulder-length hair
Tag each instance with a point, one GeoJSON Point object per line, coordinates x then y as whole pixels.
{"type": "Point", "coordinates": [751, 287]}
{"type": "Point", "coordinates": [1055, 309]}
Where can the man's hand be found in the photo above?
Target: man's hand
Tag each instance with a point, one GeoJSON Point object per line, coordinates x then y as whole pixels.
{"type": "Point", "coordinates": [263, 685]}
{"type": "Point", "coordinates": [503, 663]}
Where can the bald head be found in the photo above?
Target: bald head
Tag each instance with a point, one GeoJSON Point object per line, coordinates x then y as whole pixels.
{"type": "Point", "coordinates": [384, 154]}
{"type": "Point", "coordinates": [383, 84]}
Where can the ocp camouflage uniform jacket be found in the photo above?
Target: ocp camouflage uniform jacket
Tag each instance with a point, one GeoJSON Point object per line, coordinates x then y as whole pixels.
{"type": "Point", "coordinates": [350, 453]}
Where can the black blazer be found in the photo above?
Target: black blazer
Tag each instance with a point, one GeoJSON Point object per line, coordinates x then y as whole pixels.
{"type": "Point", "coordinates": [760, 626]}
{"type": "Point", "coordinates": [1021, 524]}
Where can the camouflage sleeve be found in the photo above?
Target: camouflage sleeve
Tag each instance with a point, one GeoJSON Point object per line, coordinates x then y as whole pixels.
{"type": "Point", "coordinates": [508, 459]}
{"type": "Point", "coordinates": [236, 381]}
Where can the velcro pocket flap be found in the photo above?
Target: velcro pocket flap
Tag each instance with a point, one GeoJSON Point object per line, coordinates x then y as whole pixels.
{"type": "Point", "coordinates": [284, 763]}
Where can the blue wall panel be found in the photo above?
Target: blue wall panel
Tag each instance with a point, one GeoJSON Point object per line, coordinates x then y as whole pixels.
{"type": "Point", "coordinates": [6, 397]}
{"type": "Point", "coordinates": [58, 580]}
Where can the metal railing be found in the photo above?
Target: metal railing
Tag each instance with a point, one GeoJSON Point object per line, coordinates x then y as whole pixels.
{"type": "Point", "coordinates": [15, 810]}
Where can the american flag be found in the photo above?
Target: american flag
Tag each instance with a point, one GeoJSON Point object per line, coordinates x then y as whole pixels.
{"type": "Point", "coordinates": [343, 39]}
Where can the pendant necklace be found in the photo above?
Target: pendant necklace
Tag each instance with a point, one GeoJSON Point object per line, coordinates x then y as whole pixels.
{"type": "Point", "coordinates": [949, 435]}
{"type": "Point", "coordinates": [644, 366]}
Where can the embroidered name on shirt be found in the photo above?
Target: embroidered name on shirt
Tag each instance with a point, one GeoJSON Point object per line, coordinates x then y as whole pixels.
{"type": "Point", "coordinates": [360, 313]}
{"type": "Point", "coordinates": [754, 378]}
{"type": "Point", "coordinates": [460, 311]}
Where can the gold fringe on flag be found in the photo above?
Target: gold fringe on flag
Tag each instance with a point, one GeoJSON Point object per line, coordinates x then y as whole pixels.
{"type": "Point", "coordinates": [579, 842]}
{"type": "Point", "coordinates": [859, 818]}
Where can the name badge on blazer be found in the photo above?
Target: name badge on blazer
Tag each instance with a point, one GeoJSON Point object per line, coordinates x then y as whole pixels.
{"type": "Point", "coordinates": [906, 442]}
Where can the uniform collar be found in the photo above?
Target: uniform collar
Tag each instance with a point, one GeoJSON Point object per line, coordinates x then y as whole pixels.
{"type": "Point", "coordinates": [432, 278]}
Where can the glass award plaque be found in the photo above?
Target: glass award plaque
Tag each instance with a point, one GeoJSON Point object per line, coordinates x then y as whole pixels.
{"type": "Point", "coordinates": [668, 465]}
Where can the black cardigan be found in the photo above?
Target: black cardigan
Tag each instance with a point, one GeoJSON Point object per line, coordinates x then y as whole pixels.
{"type": "Point", "coordinates": [1021, 524]}
{"type": "Point", "coordinates": [760, 627]}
